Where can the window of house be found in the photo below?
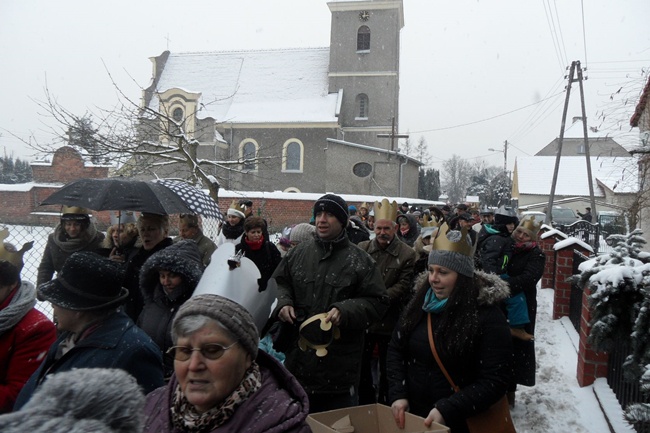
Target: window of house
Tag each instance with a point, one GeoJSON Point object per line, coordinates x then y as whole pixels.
{"type": "Point", "coordinates": [362, 106]}
{"type": "Point", "coordinates": [292, 155]}
{"type": "Point", "coordinates": [248, 152]}
{"type": "Point", "coordinates": [581, 148]}
{"type": "Point", "coordinates": [177, 114]}
{"type": "Point", "coordinates": [363, 38]}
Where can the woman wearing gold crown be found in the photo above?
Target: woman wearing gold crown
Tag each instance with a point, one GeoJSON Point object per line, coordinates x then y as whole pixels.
{"type": "Point", "coordinates": [459, 310]}
{"type": "Point", "coordinates": [75, 233]}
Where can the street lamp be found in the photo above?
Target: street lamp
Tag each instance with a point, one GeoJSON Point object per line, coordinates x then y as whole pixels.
{"type": "Point", "coordinates": [505, 155]}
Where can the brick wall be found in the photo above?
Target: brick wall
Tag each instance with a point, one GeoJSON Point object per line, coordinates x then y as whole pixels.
{"type": "Point", "coordinates": [279, 213]}
{"type": "Point", "coordinates": [591, 364]}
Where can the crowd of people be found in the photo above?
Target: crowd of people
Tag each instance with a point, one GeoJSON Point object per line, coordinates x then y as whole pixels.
{"type": "Point", "coordinates": [427, 310]}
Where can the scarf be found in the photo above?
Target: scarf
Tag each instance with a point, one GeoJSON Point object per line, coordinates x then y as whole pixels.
{"type": "Point", "coordinates": [522, 247]}
{"type": "Point", "coordinates": [23, 301]}
{"type": "Point", "coordinates": [254, 245]}
{"type": "Point", "coordinates": [433, 304]}
{"type": "Point", "coordinates": [185, 418]}
{"type": "Point", "coordinates": [69, 245]}
{"type": "Point", "coordinates": [491, 230]}
{"type": "Point", "coordinates": [233, 232]}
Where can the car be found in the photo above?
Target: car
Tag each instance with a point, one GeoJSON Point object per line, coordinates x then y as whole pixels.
{"type": "Point", "coordinates": [611, 223]}
{"type": "Point", "coordinates": [537, 214]}
{"type": "Point", "coordinates": [563, 216]}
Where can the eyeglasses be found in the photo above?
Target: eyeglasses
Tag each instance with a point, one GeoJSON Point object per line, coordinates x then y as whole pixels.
{"type": "Point", "coordinates": [208, 351]}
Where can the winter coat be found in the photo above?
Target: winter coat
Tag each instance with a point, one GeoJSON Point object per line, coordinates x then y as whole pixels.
{"type": "Point", "coordinates": [267, 258]}
{"type": "Point", "coordinates": [59, 248]}
{"type": "Point", "coordinates": [134, 303]}
{"type": "Point", "coordinates": [280, 405]}
{"type": "Point", "coordinates": [23, 347]}
{"type": "Point", "coordinates": [357, 231]}
{"type": "Point", "coordinates": [524, 271]}
{"type": "Point", "coordinates": [493, 250]}
{"type": "Point", "coordinates": [316, 276]}
{"type": "Point", "coordinates": [231, 234]}
{"type": "Point", "coordinates": [413, 233]}
{"type": "Point", "coordinates": [113, 343]}
{"type": "Point", "coordinates": [396, 266]}
{"type": "Point", "coordinates": [182, 258]}
{"type": "Point", "coordinates": [83, 400]}
{"type": "Point", "coordinates": [206, 247]}
{"type": "Point", "coordinates": [482, 376]}
{"type": "Point", "coordinates": [421, 258]}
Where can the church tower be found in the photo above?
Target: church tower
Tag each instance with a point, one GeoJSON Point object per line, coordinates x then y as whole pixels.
{"type": "Point", "coordinates": [364, 67]}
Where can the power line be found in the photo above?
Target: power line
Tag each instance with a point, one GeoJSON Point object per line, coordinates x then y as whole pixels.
{"type": "Point", "coordinates": [489, 118]}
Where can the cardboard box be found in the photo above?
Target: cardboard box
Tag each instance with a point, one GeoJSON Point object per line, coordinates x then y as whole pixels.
{"type": "Point", "coordinates": [372, 418]}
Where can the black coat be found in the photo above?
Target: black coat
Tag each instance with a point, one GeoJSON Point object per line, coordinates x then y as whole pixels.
{"type": "Point", "coordinates": [266, 259]}
{"type": "Point", "coordinates": [483, 376]}
{"type": "Point", "coordinates": [525, 270]}
{"type": "Point", "coordinates": [493, 250]}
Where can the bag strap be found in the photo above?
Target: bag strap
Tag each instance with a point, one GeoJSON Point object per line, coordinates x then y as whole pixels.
{"type": "Point", "coordinates": [435, 355]}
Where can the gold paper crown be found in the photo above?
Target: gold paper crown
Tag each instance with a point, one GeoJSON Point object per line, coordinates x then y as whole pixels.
{"type": "Point", "coordinates": [529, 222]}
{"type": "Point", "coordinates": [235, 205]}
{"type": "Point", "coordinates": [74, 210]}
{"type": "Point", "coordinates": [457, 241]}
{"type": "Point", "coordinates": [364, 204]}
{"type": "Point", "coordinates": [426, 221]}
{"type": "Point", "coordinates": [385, 210]}
{"type": "Point", "coordinates": [13, 257]}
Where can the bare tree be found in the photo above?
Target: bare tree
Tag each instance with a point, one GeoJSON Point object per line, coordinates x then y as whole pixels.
{"type": "Point", "coordinates": [141, 141]}
{"type": "Point", "coordinates": [457, 174]}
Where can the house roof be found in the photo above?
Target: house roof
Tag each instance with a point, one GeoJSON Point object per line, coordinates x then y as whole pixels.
{"type": "Point", "coordinates": [634, 121]}
{"type": "Point", "coordinates": [535, 175]}
{"type": "Point", "coordinates": [261, 86]}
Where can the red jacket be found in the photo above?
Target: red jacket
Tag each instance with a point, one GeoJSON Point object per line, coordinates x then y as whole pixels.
{"type": "Point", "coordinates": [21, 351]}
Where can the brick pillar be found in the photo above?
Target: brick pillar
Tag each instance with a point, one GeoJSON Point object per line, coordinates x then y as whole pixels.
{"type": "Point", "coordinates": [591, 364]}
{"type": "Point", "coordinates": [546, 245]}
{"type": "Point", "coordinates": [563, 270]}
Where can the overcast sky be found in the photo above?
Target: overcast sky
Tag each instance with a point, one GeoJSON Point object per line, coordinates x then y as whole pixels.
{"type": "Point", "coordinates": [468, 67]}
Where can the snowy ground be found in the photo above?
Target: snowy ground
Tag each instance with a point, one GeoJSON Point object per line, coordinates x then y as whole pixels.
{"type": "Point", "coordinates": [557, 403]}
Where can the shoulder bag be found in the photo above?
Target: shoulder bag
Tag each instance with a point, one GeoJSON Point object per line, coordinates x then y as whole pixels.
{"type": "Point", "coordinates": [496, 419]}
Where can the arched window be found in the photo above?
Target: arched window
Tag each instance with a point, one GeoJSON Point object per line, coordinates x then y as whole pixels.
{"type": "Point", "coordinates": [363, 38]}
{"type": "Point", "coordinates": [248, 151]}
{"type": "Point", "coordinates": [292, 155]}
{"type": "Point", "coordinates": [362, 106]}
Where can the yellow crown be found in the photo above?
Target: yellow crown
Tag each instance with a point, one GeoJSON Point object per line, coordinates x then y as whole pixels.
{"type": "Point", "coordinates": [13, 257]}
{"type": "Point", "coordinates": [457, 241]}
{"type": "Point", "coordinates": [385, 210]}
{"type": "Point", "coordinates": [364, 204]}
{"type": "Point", "coordinates": [235, 205]}
{"type": "Point", "coordinates": [427, 221]}
{"type": "Point", "coordinates": [74, 210]}
{"type": "Point", "coordinates": [531, 223]}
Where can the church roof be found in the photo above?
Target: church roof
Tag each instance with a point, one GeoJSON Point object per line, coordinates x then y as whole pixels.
{"type": "Point", "coordinates": [535, 175]}
{"type": "Point", "coordinates": [262, 86]}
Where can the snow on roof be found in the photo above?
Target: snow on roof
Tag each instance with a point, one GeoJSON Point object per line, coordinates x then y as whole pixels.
{"type": "Point", "coordinates": [25, 187]}
{"type": "Point", "coordinates": [288, 85]}
{"type": "Point", "coordinates": [552, 232]}
{"type": "Point", "coordinates": [535, 175]}
{"type": "Point", "coordinates": [350, 198]}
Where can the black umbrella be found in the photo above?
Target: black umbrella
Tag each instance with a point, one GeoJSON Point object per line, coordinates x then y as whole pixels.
{"type": "Point", "coordinates": [118, 193]}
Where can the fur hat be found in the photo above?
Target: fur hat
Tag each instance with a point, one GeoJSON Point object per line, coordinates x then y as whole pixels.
{"type": "Point", "coordinates": [230, 314]}
{"type": "Point", "coordinates": [100, 400]}
{"type": "Point", "coordinates": [182, 257]}
{"type": "Point", "coordinates": [86, 282]}
{"type": "Point", "coordinates": [335, 205]}
{"type": "Point", "coordinates": [302, 232]}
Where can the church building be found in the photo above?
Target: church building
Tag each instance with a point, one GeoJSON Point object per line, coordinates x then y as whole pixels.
{"type": "Point", "coordinates": [297, 120]}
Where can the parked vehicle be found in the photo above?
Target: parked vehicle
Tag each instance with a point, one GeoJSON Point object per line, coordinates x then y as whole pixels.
{"type": "Point", "coordinates": [563, 216]}
{"type": "Point", "coordinates": [611, 223]}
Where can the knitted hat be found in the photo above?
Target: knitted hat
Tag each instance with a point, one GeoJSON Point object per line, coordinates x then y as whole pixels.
{"type": "Point", "coordinates": [230, 314]}
{"type": "Point", "coordinates": [333, 204]}
{"type": "Point", "coordinates": [302, 232]}
{"type": "Point", "coordinates": [236, 210]}
{"type": "Point", "coordinates": [453, 250]}
{"type": "Point", "coordinates": [86, 282]}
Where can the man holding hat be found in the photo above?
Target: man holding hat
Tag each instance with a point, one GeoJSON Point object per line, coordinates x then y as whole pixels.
{"type": "Point", "coordinates": [93, 331]}
{"type": "Point", "coordinates": [586, 216]}
{"type": "Point", "coordinates": [329, 275]}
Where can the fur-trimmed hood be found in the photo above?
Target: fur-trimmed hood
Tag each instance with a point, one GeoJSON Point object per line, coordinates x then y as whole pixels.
{"type": "Point", "coordinates": [181, 258]}
{"type": "Point", "coordinates": [81, 400]}
{"type": "Point", "coordinates": [492, 291]}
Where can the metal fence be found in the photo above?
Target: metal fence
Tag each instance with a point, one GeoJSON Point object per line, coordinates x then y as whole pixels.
{"type": "Point", "coordinates": [626, 392]}
{"type": "Point", "coordinates": [585, 231]}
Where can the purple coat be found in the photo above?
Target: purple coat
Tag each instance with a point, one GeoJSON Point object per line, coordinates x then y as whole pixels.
{"type": "Point", "coordinates": [280, 405]}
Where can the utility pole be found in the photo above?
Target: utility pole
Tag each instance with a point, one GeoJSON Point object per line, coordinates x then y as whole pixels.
{"type": "Point", "coordinates": [584, 132]}
{"type": "Point", "coordinates": [505, 155]}
{"type": "Point", "coordinates": [551, 196]}
{"type": "Point", "coordinates": [393, 135]}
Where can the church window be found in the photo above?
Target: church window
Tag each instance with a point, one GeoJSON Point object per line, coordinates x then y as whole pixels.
{"type": "Point", "coordinates": [362, 169]}
{"type": "Point", "coordinates": [292, 155]}
{"type": "Point", "coordinates": [362, 106]}
{"type": "Point", "coordinates": [177, 114]}
{"type": "Point", "coordinates": [363, 38]}
{"type": "Point", "coordinates": [247, 153]}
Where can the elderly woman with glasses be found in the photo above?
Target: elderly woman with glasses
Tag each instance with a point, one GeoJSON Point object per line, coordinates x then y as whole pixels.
{"type": "Point", "coordinates": [221, 382]}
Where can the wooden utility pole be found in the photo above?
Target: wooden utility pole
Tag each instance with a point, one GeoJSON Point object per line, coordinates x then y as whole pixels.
{"type": "Point", "coordinates": [587, 156]}
{"type": "Point", "coordinates": [393, 135]}
{"type": "Point", "coordinates": [551, 196]}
